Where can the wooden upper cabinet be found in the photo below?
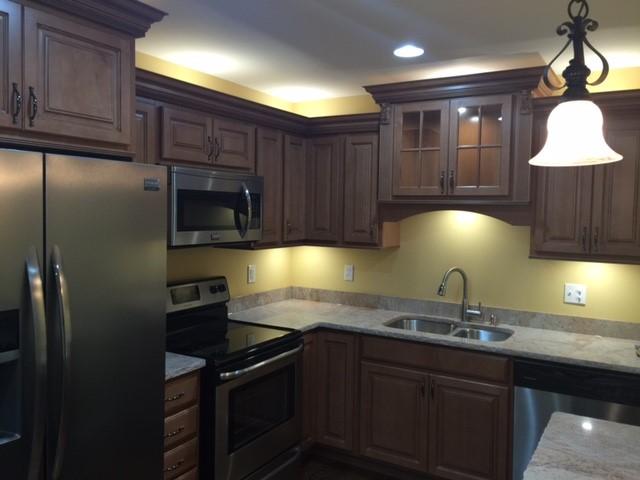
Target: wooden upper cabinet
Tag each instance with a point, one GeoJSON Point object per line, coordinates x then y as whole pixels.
{"type": "Point", "coordinates": [480, 146]}
{"type": "Point", "coordinates": [361, 189]}
{"type": "Point", "coordinates": [78, 79]}
{"type": "Point", "coordinates": [421, 134]}
{"type": "Point", "coordinates": [615, 229]}
{"type": "Point", "coordinates": [295, 212]}
{"type": "Point", "coordinates": [187, 137]}
{"type": "Point", "coordinates": [146, 125]}
{"type": "Point", "coordinates": [336, 356]}
{"type": "Point", "coordinates": [270, 166]}
{"type": "Point", "coordinates": [468, 430]}
{"type": "Point", "coordinates": [234, 144]}
{"type": "Point", "coordinates": [324, 192]}
{"type": "Point", "coordinates": [393, 415]}
{"type": "Point", "coordinates": [11, 103]}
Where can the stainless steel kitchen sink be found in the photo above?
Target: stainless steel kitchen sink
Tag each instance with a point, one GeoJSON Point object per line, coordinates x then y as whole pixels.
{"type": "Point", "coordinates": [422, 324]}
{"type": "Point", "coordinates": [441, 326]}
{"type": "Point", "coordinates": [484, 334]}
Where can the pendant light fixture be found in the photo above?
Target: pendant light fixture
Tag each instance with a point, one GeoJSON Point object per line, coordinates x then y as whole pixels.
{"type": "Point", "coordinates": [575, 134]}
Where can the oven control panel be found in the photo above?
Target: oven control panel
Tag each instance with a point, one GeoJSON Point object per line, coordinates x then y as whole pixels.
{"type": "Point", "coordinates": [186, 296]}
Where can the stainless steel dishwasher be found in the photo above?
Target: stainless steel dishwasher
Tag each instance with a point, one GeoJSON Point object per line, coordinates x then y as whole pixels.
{"type": "Point", "coordinates": [544, 388]}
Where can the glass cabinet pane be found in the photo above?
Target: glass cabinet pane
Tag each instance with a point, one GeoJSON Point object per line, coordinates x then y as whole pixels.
{"type": "Point", "coordinates": [490, 166]}
{"type": "Point", "coordinates": [491, 125]}
{"type": "Point", "coordinates": [430, 174]}
{"type": "Point", "coordinates": [411, 130]}
{"type": "Point", "coordinates": [430, 129]}
{"type": "Point", "coordinates": [409, 169]}
{"type": "Point", "coordinates": [467, 171]}
{"type": "Point", "coordinates": [468, 125]}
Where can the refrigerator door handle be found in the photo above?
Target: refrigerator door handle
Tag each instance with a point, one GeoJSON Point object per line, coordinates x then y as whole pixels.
{"type": "Point", "coordinates": [64, 321]}
{"type": "Point", "coordinates": [35, 306]}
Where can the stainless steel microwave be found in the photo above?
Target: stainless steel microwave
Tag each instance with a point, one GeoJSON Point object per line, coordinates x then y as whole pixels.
{"type": "Point", "coordinates": [211, 207]}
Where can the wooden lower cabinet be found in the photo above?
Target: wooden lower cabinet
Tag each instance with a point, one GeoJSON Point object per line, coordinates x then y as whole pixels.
{"type": "Point", "coordinates": [393, 415]}
{"type": "Point", "coordinates": [468, 429]}
{"type": "Point", "coordinates": [309, 384]}
{"type": "Point", "coordinates": [336, 358]}
{"type": "Point", "coordinates": [181, 427]}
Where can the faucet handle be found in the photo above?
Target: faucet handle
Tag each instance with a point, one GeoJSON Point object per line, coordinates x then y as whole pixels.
{"type": "Point", "coordinates": [475, 312]}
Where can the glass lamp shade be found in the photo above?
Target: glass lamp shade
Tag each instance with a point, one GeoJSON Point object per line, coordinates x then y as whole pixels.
{"type": "Point", "coordinates": [575, 137]}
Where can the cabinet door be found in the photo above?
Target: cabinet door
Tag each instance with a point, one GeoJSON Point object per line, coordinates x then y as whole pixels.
{"type": "Point", "coordinates": [324, 189]}
{"type": "Point", "coordinates": [336, 389]}
{"type": "Point", "coordinates": [468, 430]}
{"type": "Point", "coordinates": [309, 390]}
{"type": "Point", "coordinates": [11, 105]}
{"type": "Point", "coordinates": [393, 415]}
{"type": "Point", "coordinates": [82, 78]}
{"type": "Point", "coordinates": [563, 210]}
{"type": "Point", "coordinates": [361, 189]}
{"type": "Point", "coordinates": [187, 137]}
{"type": "Point", "coordinates": [480, 146]}
{"type": "Point", "coordinates": [146, 126]}
{"type": "Point", "coordinates": [616, 201]}
{"type": "Point", "coordinates": [235, 145]}
{"type": "Point", "coordinates": [294, 188]}
{"type": "Point", "coordinates": [421, 135]}
{"type": "Point", "coordinates": [270, 166]}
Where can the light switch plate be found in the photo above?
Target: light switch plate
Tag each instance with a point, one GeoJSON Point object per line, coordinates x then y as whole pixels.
{"type": "Point", "coordinates": [575, 294]}
{"type": "Point", "coordinates": [251, 274]}
{"type": "Point", "coordinates": [348, 273]}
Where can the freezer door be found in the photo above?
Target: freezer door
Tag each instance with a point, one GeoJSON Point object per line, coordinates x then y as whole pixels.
{"type": "Point", "coordinates": [106, 279]}
{"type": "Point", "coordinates": [21, 377]}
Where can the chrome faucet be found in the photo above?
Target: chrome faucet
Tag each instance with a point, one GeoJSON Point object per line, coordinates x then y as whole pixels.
{"type": "Point", "coordinates": [465, 310]}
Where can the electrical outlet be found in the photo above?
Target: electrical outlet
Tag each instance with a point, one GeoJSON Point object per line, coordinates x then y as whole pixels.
{"type": "Point", "coordinates": [575, 294]}
{"type": "Point", "coordinates": [348, 273]}
{"type": "Point", "coordinates": [251, 274]}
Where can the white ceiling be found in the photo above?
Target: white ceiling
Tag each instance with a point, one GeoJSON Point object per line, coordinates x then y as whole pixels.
{"type": "Point", "coordinates": [311, 49]}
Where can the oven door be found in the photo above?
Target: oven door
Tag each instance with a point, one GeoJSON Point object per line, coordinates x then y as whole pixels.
{"type": "Point", "coordinates": [257, 414]}
{"type": "Point", "coordinates": [214, 207]}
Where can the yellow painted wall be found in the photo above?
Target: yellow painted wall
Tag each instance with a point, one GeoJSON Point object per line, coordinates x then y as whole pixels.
{"type": "Point", "coordinates": [273, 267]}
{"type": "Point", "coordinates": [337, 106]}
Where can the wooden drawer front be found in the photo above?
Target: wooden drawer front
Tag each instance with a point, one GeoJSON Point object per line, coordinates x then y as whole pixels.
{"type": "Point", "coordinates": [190, 475]}
{"type": "Point", "coordinates": [181, 393]}
{"type": "Point", "coordinates": [180, 427]}
{"type": "Point", "coordinates": [181, 459]}
{"type": "Point", "coordinates": [428, 357]}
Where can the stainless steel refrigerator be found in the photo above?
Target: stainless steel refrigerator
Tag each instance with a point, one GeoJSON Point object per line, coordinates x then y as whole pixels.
{"type": "Point", "coordinates": [82, 318]}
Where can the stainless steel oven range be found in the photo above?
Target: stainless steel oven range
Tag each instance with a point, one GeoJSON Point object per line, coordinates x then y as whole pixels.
{"type": "Point", "coordinates": [212, 207]}
{"type": "Point", "coordinates": [251, 385]}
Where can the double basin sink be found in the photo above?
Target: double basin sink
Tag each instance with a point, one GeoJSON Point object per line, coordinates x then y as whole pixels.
{"type": "Point", "coordinates": [440, 326]}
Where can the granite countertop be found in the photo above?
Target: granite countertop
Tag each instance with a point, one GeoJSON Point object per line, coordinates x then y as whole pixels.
{"type": "Point", "coordinates": [550, 345]}
{"type": "Point", "coordinates": [581, 448]}
{"type": "Point", "coordinates": [177, 365]}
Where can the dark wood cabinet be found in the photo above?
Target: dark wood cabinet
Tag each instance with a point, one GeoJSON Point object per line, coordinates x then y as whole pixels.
{"type": "Point", "coordinates": [336, 356]}
{"type": "Point", "coordinates": [592, 213]}
{"type": "Point", "coordinates": [270, 166]}
{"type": "Point", "coordinates": [146, 128]}
{"type": "Point", "coordinates": [294, 188]}
{"type": "Point", "coordinates": [309, 390]}
{"type": "Point", "coordinates": [324, 192]}
{"type": "Point", "coordinates": [234, 144]}
{"type": "Point", "coordinates": [11, 103]}
{"type": "Point", "coordinates": [78, 79]}
{"type": "Point", "coordinates": [187, 137]}
{"type": "Point", "coordinates": [361, 189]}
{"type": "Point", "coordinates": [393, 415]}
{"type": "Point", "coordinates": [468, 430]}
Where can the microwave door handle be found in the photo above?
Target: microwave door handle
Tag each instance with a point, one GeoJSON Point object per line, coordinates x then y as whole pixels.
{"type": "Point", "coordinates": [243, 371]}
{"type": "Point", "coordinates": [247, 198]}
{"type": "Point", "coordinates": [35, 306]}
{"type": "Point", "coordinates": [64, 321]}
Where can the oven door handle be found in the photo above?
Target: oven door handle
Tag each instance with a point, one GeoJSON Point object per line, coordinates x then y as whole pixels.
{"type": "Point", "coordinates": [247, 198]}
{"type": "Point", "coordinates": [243, 371]}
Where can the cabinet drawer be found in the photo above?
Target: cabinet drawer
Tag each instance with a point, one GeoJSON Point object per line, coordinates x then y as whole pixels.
{"type": "Point", "coordinates": [180, 427]}
{"type": "Point", "coordinates": [442, 359]}
{"type": "Point", "coordinates": [181, 459]}
{"type": "Point", "coordinates": [190, 475]}
{"type": "Point", "coordinates": [181, 393]}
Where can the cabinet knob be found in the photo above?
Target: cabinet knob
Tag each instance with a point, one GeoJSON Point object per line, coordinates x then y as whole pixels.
{"type": "Point", "coordinates": [442, 177]}
{"type": "Point", "coordinates": [211, 148]}
{"type": "Point", "coordinates": [17, 103]}
{"type": "Point", "coordinates": [289, 227]}
{"type": "Point", "coordinates": [33, 106]}
{"type": "Point", "coordinates": [452, 180]}
{"type": "Point", "coordinates": [596, 239]}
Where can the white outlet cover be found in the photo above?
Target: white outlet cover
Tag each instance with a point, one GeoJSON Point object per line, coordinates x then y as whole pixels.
{"type": "Point", "coordinates": [575, 293]}
{"type": "Point", "coordinates": [251, 274]}
{"type": "Point", "coordinates": [348, 273]}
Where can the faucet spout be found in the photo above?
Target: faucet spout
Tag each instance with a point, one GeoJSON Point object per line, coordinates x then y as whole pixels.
{"type": "Point", "coordinates": [442, 290]}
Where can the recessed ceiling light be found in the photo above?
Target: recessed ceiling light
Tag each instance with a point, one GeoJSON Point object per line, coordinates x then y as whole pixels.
{"type": "Point", "coordinates": [408, 51]}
